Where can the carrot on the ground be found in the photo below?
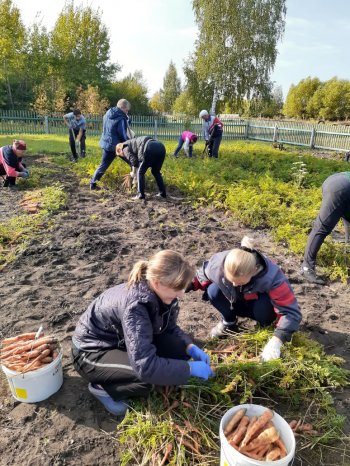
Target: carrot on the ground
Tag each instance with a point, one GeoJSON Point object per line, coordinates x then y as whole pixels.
{"type": "Point", "coordinates": [261, 421]}
{"type": "Point", "coordinates": [293, 424]}
{"type": "Point", "coordinates": [233, 422]}
{"type": "Point", "coordinates": [168, 449]}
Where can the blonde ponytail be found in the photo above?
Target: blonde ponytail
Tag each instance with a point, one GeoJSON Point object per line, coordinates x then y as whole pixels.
{"type": "Point", "coordinates": [167, 267]}
{"type": "Point", "coordinates": [138, 273]}
{"type": "Point", "coordinates": [242, 262]}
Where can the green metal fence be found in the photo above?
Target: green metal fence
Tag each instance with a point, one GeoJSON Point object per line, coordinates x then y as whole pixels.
{"type": "Point", "coordinates": [325, 136]}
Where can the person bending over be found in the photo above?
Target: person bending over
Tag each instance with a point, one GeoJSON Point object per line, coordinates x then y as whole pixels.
{"type": "Point", "coordinates": [77, 132]}
{"type": "Point", "coordinates": [243, 282]}
{"type": "Point", "coordinates": [128, 340]}
{"type": "Point", "coordinates": [335, 205]}
{"type": "Point", "coordinates": [141, 154]}
{"type": "Point", "coordinates": [11, 165]}
{"type": "Point", "coordinates": [186, 139]}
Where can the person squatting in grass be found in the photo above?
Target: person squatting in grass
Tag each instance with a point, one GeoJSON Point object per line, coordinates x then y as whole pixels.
{"type": "Point", "coordinates": [141, 154]}
{"type": "Point", "coordinates": [11, 165]}
{"type": "Point", "coordinates": [186, 139]}
{"type": "Point", "coordinates": [77, 132]}
{"type": "Point", "coordinates": [128, 340]}
{"type": "Point", "coordinates": [243, 282]}
{"type": "Point", "coordinates": [335, 205]}
{"type": "Point", "coordinates": [114, 131]}
{"type": "Point", "coordinates": [212, 133]}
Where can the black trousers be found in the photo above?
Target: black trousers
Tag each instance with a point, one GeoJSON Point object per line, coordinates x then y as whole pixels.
{"type": "Point", "coordinates": [112, 370]}
{"type": "Point", "coordinates": [335, 205]}
{"type": "Point", "coordinates": [214, 144]}
{"type": "Point", "coordinates": [73, 133]}
{"type": "Point", "coordinates": [9, 180]}
{"type": "Point", "coordinates": [153, 158]}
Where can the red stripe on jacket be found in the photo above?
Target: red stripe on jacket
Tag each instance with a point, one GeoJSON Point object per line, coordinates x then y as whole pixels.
{"type": "Point", "coordinates": [282, 295]}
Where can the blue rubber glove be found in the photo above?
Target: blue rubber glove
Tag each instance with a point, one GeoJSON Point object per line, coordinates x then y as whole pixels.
{"type": "Point", "coordinates": [197, 354]}
{"type": "Point", "coordinates": [200, 369]}
{"type": "Point", "coordinates": [25, 174]}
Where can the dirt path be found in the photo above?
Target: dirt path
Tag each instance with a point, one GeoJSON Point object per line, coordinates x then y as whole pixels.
{"type": "Point", "coordinates": [91, 247]}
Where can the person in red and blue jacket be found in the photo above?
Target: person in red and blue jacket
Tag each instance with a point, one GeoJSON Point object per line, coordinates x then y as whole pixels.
{"type": "Point", "coordinates": [243, 282]}
{"type": "Point", "coordinates": [212, 132]}
{"type": "Point", "coordinates": [11, 165]}
{"type": "Point", "coordinates": [187, 139]}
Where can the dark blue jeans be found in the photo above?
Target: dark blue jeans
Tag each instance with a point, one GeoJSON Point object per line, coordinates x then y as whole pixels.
{"type": "Point", "coordinates": [107, 159]}
{"type": "Point", "coordinates": [214, 144]}
{"type": "Point", "coordinates": [180, 144]}
{"type": "Point", "coordinates": [260, 309]}
{"type": "Point", "coordinates": [153, 158]}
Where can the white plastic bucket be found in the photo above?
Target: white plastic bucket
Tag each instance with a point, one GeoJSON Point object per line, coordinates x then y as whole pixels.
{"type": "Point", "coordinates": [37, 385]}
{"type": "Point", "coordinates": [231, 457]}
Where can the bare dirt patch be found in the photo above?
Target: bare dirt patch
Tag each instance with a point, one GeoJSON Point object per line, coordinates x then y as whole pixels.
{"type": "Point", "coordinates": [92, 246]}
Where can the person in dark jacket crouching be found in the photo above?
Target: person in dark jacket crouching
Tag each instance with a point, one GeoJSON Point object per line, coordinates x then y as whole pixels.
{"type": "Point", "coordinates": [141, 154]}
{"type": "Point", "coordinates": [243, 282]}
{"type": "Point", "coordinates": [128, 339]}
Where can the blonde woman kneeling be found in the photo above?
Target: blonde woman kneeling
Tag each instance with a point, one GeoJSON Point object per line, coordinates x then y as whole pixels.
{"type": "Point", "coordinates": [243, 282]}
{"type": "Point", "coordinates": [128, 339]}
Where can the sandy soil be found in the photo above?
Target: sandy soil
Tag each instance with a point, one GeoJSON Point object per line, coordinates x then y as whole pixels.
{"type": "Point", "coordinates": [91, 247]}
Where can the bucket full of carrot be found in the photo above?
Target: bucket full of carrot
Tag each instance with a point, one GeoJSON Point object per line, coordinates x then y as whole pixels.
{"type": "Point", "coordinates": [33, 366]}
{"type": "Point", "coordinates": [252, 435]}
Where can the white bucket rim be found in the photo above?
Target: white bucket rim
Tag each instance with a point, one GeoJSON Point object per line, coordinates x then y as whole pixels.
{"type": "Point", "coordinates": [253, 462]}
{"type": "Point", "coordinates": [10, 374]}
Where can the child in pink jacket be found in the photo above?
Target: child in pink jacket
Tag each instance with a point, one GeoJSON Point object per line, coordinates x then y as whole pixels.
{"type": "Point", "coordinates": [187, 139]}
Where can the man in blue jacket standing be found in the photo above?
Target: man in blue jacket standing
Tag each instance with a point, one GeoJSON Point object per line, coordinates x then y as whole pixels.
{"type": "Point", "coordinates": [115, 126]}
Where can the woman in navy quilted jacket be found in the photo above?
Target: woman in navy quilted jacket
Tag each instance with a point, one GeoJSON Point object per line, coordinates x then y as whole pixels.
{"type": "Point", "coordinates": [128, 339]}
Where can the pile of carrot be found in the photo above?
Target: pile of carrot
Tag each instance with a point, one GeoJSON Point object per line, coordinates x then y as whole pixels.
{"type": "Point", "coordinates": [24, 353]}
{"type": "Point", "coordinates": [255, 437]}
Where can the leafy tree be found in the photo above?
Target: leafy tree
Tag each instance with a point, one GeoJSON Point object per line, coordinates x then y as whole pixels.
{"type": "Point", "coordinates": [156, 102]}
{"type": "Point", "coordinates": [299, 96]}
{"type": "Point", "coordinates": [185, 104]}
{"type": "Point", "coordinates": [12, 42]}
{"type": "Point", "coordinates": [50, 96]}
{"type": "Point", "coordinates": [134, 89]}
{"type": "Point", "coordinates": [81, 49]}
{"type": "Point", "coordinates": [236, 49]}
{"type": "Point", "coordinates": [335, 100]}
{"type": "Point", "coordinates": [199, 90]}
{"type": "Point", "coordinates": [89, 101]}
{"type": "Point", "coordinates": [171, 87]}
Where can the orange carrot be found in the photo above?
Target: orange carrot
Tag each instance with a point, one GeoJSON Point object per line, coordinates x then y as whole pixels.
{"type": "Point", "coordinates": [280, 444]}
{"type": "Point", "coordinates": [293, 424]}
{"type": "Point", "coordinates": [241, 431]}
{"type": "Point", "coordinates": [22, 337]}
{"type": "Point", "coordinates": [269, 435]}
{"type": "Point", "coordinates": [233, 422]}
{"type": "Point", "coordinates": [273, 455]}
{"type": "Point", "coordinates": [168, 449]}
{"type": "Point", "coordinates": [262, 420]}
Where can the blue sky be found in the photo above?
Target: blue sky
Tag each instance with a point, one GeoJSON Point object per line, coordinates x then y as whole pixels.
{"type": "Point", "coordinates": [147, 34]}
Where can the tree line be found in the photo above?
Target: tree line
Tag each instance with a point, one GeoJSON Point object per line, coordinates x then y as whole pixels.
{"type": "Point", "coordinates": [228, 70]}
